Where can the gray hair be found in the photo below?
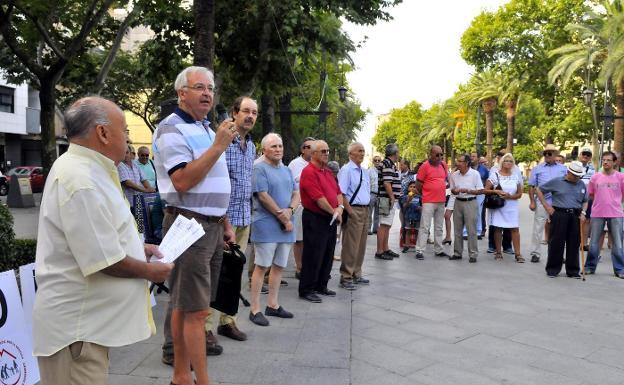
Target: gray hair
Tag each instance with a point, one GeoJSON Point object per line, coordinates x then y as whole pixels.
{"type": "Point", "coordinates": [268, 137]}
{"type": "Point", "coordinates": [143, 148]}
{"type": "Point", "coordinates": [392, 149]}
{"type": "Point", "coordinates": [85, 114]}
{"type": "Point", "coordinates": [182, 78]}
{"type": "Point", "coordinates": [352, 145]}
{"type": "Point", "coordinates": [315, 144]}
{"type": "Point", "coordinates": [333, 165]}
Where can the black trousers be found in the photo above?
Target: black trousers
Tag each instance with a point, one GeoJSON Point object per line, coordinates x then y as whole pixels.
{"type": "Point", "coordinates": [319, 242]}
{"type": "Point", "coordinates": [506, 238]}
{"type": "Point", "coordinates": [564, 232]}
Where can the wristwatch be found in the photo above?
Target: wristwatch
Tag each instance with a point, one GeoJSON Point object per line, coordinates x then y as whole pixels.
{"type": "Point", "coordinates": [341, 206]}
{"type": "Point", "coordinates": [292, 210]}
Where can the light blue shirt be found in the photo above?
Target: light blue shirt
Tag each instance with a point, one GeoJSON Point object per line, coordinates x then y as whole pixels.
{"type": "Point", "coordinates": [349, 179]}
{"type": "Point", "coordinates": [544, 172]}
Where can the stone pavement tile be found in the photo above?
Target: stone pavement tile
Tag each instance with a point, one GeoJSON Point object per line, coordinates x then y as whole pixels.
{"type": "Point", "coordinates": [359, 323]}
{"type": "Point", "coordinates": [119, 379]}
{"type": "Point", "coordinates": [504, 348]}
{"type": "Point", "coordinates": [333, 332]}
{"type": "Point", "coordinates": [358, 307]}
{"type": "Point", "coordinates": [505, 372]}
{"type": "Point", "coordinates": [590, 372]}
{"type": "Point", "coordinates": [447, 374]}
{"type": "Point", "coordinates": [378, 300]}
{"type": "Point", "coordinates": [391, 336]}
{"type": "Point", "coordinates": [567, 341]}
{"type": "Point", "coordinates": [435, 329]}
{"type": "Point", "coordinates": [322, 355]}
{"type": "Point", "coordinates": [388, 317]}
{"type": "Point", "coordinates": [459, 356]}
{"type": "Point", "coordinates": [286, 373]}
{"type": "Point", "coordinates": [393, 359]}
{"type": "Point", "coordinates": [123, 360]}
{"type": "Point", "coordinates": [582, 319]}
{"type": "Point", "coordinates": [608, 356]}
{"type": "Point", "coordinates": [390, 378]}
{"type": "Point", "coordinates": [362, 372]}
{"type": "Point", "coordinates": [517, 306]}
{"type": "Point", "coordinates": [430, 312]}
{"type": "Point", "coordinates": [243, 366]}
{"type": "Point", "coordinates": [269, 339]}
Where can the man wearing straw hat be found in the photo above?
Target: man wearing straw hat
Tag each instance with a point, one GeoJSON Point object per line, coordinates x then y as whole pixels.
{"type": "Point", "coordinates": [542, 173]}
{"type": "Point", "coordinates": [567, 212]}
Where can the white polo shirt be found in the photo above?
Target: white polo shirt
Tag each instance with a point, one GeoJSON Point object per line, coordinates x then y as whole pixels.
{"type": "Point", "coordinates": [470, 180]}
{"type": "Point", "coordinates": [85, 225]}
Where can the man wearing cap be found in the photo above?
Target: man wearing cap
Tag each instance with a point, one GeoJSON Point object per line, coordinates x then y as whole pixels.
{"type": "Point", "coordinates": [567, 212]}
{"type": "Point", "coordinates": [586, 159]}
{"type": "Point", "coordinates": [606, 189]}
{"type": "Point", "coordinates": [542, 173]}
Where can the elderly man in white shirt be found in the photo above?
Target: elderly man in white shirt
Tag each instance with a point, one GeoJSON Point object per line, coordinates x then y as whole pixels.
{"type": "Point", "coordinates": [465, 185]}
{"type": "Point", "coordinates": [91, 266]}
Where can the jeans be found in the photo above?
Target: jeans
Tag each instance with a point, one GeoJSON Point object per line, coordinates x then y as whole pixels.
{"type": "Point", "coordinates": [615, 234]}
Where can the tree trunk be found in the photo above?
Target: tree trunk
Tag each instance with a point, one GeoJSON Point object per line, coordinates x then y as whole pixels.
{"type": "Point", "coordinates": [489, 105]}
{"type": "Point", "coordinates": [511, 122]}
{"type": "Point", "coordinates": [290, 148]}
{"type": "Point", "coordinates": [264, 46]}
{"type": "Point", "coordinates": [203, 49]}
{"type": "Point", "coordinates": [268, 114]}
{"type": "Point", "coordinates": [47, 99]}
{"type": "Point", "coordinates": [618, 124]}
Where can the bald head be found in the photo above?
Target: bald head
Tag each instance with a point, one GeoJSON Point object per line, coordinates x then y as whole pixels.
{"type": "Point", "coordinates": [435, 154]}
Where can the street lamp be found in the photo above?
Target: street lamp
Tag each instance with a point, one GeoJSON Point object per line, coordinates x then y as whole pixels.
{"type": "Point", "coordinates": [342, 93]}
{"type": "Point", "coordinates": [588, 96]}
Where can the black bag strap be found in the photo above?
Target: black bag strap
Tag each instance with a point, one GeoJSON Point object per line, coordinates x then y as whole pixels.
{"type": "Point", "coordinates": [357, 190]}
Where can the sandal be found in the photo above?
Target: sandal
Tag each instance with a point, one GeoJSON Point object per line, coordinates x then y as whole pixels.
{"type": "Point", "coordinates": [498, 257]}
{"type": "Point", "coordinates": [446, 242]}
{"type": "Point", "coordinates": [519, 258]}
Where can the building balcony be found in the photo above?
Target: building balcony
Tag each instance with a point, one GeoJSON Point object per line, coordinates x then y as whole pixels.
{"type": "Point", "coordinates": [33, 125]}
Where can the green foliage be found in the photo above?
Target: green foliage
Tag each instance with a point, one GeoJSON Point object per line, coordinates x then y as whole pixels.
{"type": "Point", "coordinates": [402, 127]}
{"type": "Point", "coordinates": [13, 252]}
{"type": "Point", "coordinates": [24, 251]}
{"type": "Point", "coordinates": [7, 235]}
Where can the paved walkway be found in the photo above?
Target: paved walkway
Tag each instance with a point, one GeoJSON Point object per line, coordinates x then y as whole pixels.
{"type": "Point", "coordinates": [423, 322]}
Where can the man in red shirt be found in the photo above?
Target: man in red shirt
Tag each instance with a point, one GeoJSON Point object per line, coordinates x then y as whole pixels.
{"type": "Point", "coordinates": [321, 199]}
{"type": "Point", "coordinates": [431, 184]}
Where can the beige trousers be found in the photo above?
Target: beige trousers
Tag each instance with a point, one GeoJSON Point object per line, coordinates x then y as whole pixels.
{"type": "Point", "coordinates": [354, 235]}
{"type": "Point", "coordinates": [77, 364]}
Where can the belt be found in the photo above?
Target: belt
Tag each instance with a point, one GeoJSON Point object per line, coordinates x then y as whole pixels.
{"type": "Point", "coordinates": [567, 211]}
{"type": "Point", "coordinates": [466, 199]}
{"type": "Point", "coordinates": [189, 213]}
{"type": "Point", "coordinates": [359, 205]}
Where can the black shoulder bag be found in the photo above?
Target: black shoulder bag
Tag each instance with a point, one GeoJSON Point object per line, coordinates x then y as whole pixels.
{"type": "Point", "coordinates": [495, 201]}
{"type": "Point", "coordinates": [345, 214]}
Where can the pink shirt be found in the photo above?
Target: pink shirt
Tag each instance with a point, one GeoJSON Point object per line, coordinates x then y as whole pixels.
{"type": "Point", "coordinates": [433, 179]}
{"type": "Point", "coordinates": [607, 190]}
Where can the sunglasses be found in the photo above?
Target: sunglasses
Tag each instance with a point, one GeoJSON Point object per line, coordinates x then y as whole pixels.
{"type": "Point", "coordinates": [586, 153]}
{"type": "Point", "coordinates": [324, 151]}
{"type": "Point", "coordinates": [438, 155]}
{"type": "Point", "coordinates": [547, 153]}
{"type": "Point", "coordinates": [143, 155]}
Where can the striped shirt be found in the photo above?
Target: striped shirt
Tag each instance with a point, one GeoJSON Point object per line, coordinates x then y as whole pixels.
{"type": "Point", "coordinates": [179, 140]}
{"type": "Point", "coordinates": [133, 174]}
{"type": "Point", "coordinates": [240, 167]}
{"type": "Point", "coordinates": [389, 174]}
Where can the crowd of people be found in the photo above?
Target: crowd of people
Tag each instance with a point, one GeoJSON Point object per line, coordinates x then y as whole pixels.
{"type": "Point", "coordinates": [91, 260]}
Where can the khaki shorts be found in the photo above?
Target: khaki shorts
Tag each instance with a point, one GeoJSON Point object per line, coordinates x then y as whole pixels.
{"type": "Point", "coordinates": [387, 219]}
{"type": "Point", "coordinates": [195, 277]}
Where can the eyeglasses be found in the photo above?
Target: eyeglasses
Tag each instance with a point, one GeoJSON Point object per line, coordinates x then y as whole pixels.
{"type": "Point", "coordinates": [586, 153]}
{"type": "Point", "coordinates": [143, 155]}
{"type": "Point", "coordinates": [438, 155]}
{"type": "Point", "coordinates": [201, 88]}
{"type": "Point", "coordinates": [306, 147]}
{"type": "Point", "coordinates": [324, 151]}
{"type": "Point", "coordinates": [376, 160]}
{"type": "Point", "coordinates": [547, 153]}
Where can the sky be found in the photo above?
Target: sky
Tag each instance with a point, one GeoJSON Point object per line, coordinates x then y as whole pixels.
{"type": "Point", "coordinates": [415, 56]}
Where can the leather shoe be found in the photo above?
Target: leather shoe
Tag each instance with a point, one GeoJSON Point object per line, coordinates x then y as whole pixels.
{"type": "Point", "coordinates": [534, 258]}
{"type": "Point", "coordinates": [347, 285]}
{"type": "Point", "coordinates": [231, 331]}
{"type": "Point", "coordinates": [391, 253]}
{"type": "Point", "coordinates": [472, 260]}
{"type": "Point", "coordinates": [212, 346]}
{"type": "Point", "coordinates": [575, 276]}
{"type": "Point", "coordinates": [419, 256]}
{"type": "Point", "coordinates": [311, 297]}
{"type": "Point", "coordinates": [325, 291]}
{"type": "Point", "coordinates": [442, 254]}
{"type": "Point", "coordinates": [361, 281]}
{"type": "Point", "coordinates": [383, 256]}
{"type": "Point", "coordinates": [455, 257]}
{"type": "Point", "coordinates": [258, 319]}
{"type": "Point", "coordinates": [279, 312]}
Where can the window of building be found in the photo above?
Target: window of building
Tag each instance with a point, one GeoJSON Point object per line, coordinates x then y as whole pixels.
{"type": "Point", "coordinates": [7, 99]}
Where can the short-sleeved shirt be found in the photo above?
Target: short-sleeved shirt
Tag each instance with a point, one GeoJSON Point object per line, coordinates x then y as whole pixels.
{"type": "Point", "coordinates": [470, 180]}
{"type": "Point", "coordinates": [483, 172]}
{"type": "Point", "coordinates": [240, 167]}
{"type": "Point", "coordinates": [374, 180]}
{"type": "Point", "coordinates": [85, 225]}
{"type": "Point", "coordinates": [589, 172]}
{"type": "Point", "coordinates": [349, 179]}
{"type": "Point", "coordinates": [179, 140]}
{"type": "Point", "coordinates": [544, 172]}
{"type": "Point", "coordinates": [133, 174]}
{"type": "Point", "coordinates": [433, 180]}
{"type": "Point", "coordinates": [315, 184]}
{"type": "Point", "coordinates": [296, 166]}
{"type": "Point", "coordinates": [389, 173]}
{"type": "Point", "coordinates": [608, 191]}
{"type": "Point", "coordinates": [148, 170]}
{"type": "Point", "coordinates": [278, 182]}
{"type": "Point", "coordinates": [566, 195]}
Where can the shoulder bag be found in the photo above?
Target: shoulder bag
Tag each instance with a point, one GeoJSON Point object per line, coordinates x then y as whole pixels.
{"type": "Point", "coordinates": [495, 201]}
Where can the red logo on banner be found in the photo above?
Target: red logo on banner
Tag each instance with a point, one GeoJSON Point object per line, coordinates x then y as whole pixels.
{"type": "Point", "coordinates": [12, 365]}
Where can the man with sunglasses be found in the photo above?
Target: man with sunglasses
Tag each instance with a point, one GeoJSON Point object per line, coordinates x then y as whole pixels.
{"type": "Point", "coordinates": [541, 174]}
{"type": "Point", "coordinates": [296, 166]}
{"type": "Point", "coordinates": [146, 165]}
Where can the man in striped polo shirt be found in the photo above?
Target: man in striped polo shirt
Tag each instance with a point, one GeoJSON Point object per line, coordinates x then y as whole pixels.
{"type": "Point", "coordinates": [389, 191]}
{"type": "Point", "coordinates": [193, 181]}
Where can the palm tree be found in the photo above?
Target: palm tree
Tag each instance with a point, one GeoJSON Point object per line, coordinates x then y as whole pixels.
{"type": "Point", "coordinates": [439, 125]}
{"type": "Point", "coordinates": [484, 88]}
{"type": "Point", "coordinates": [510, 97]}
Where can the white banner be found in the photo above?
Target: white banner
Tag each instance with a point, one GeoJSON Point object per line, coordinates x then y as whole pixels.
{"type": "Point", "coordinates": [29, 287]}
{"type": "Point", "coordinates": [17, 364]}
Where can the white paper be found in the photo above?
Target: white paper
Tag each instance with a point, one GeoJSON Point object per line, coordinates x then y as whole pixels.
{"type": "Point", "coordinates": [180, 236]}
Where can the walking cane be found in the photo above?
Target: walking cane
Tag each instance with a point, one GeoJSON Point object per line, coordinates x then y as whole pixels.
{"type": "Point", "coordinates": [582, 251]}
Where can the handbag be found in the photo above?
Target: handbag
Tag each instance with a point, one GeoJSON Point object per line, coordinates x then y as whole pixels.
{"type": "Point", "coordinates": [495, 201]}
{"type": "Point", "coordinates": [229, 287]}
{"type": "Point", "coordinates": [345, 214]}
